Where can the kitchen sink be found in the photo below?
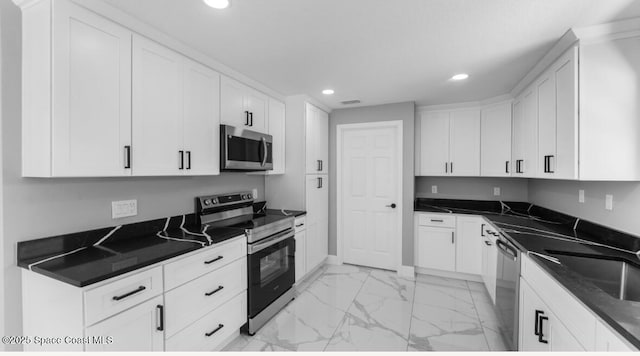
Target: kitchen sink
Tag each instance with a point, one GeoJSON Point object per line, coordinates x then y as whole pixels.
{"type": "Point", "coordinates": [615, 276]}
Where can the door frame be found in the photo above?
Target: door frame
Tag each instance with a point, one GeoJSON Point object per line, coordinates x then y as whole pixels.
{"type": "Point", "coordinates": [340, 130]}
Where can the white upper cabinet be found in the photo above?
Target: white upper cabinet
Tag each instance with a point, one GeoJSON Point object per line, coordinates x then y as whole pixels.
{"type": "Point", "coordinates": [525, 135]}
{"type": "Point", "coordinates": [76, 93]}
{"type": "Point", "coordinates": [157, 109]}
{"type": "Point", "coordinates": [277, 129]}
{"type": "Point", "coordinates": [464, 145]}
{"type": "Point", "coordinates": [434, 143]}
{"type": "Point", "coordinates": [558, 119]}
{"type": "Point", "coordinates": [450, 143]}
{"type": "Point", "coordinates": [201, 119]}
{"type": "Point", "coordinates": [243, 106]}
{"type": "Point", "coordinates": [175, 113]}
{"type": "Point", "coordinates": [495, 140]}
{"type": "Point", "coordinates": [317, 140]}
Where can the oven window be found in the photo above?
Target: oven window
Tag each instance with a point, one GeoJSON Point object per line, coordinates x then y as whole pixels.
{"type": "Point", "coordinates": [274, 265]}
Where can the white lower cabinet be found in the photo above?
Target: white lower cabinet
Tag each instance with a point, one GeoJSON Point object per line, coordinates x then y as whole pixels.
{"type": "Point", "coordinates": [489, 260]}
{"type": "Point", "coordinates": [211, 330]}
{"type": "Point", "coordinates": [540, 329]}
{"type": "Point", "coordinates": [301, 248]}
{"type": "Point", "coordinates": [138, 329]}
{"type": "Point", "coordinates": [608, 340]}
{"type": "Point", "coordinates": [138, 311]}
{"type": "Point", "coordinates": [469, 244]}
{"type": "Point", "coordinates": [436, 248]}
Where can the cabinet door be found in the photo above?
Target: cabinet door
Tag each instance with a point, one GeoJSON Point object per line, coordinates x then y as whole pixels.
{"type": "Point", "coordinates": [529, 134]}
{"type": "Point", "coordinates": [607, 340]}
{"type": "Point", "coordinates": [531, 306]}
{"type": "Point", "coordinates": [434, 143]}
{"type": "Point", "coordinates": [436, 248]}
{"type": "Point", "coordinates": [257, 103]}
{"type": "Point", "coordinates": [517, 141]}
{"type": "Point", "coordinates": [566, 77]}
{"type": "Point", "coordinates": [316, 140]}
{"type": "Point", "coordinates": [495, 140]}
{"type": "Point", "coordinates": [233, 108]}
{"type": "Point", "coordinates": [201, 119]}
{"type": "Point", "coordinates": [136, 329]}
{"type": "Point", "coordinates": [469, 245]}
{"type": "Point", "coordinates": [91, 94]}
{"type": "Point", "coordinates": [317, 198]}
{"type": "Point", "coordinates": [546, 88]}
{"type": "Point", "coordinates": [157, 109]}
{"type": "Point", "coordinates": [301, 253]}
{"type": "Point", "coordinates": [464, 143]}
{"type": "Point", "coordinates": [316, 244]}
{"type": "Point", "coordinates": [322, 143]}
{"type": "Point", "coordinates": [277, 130]}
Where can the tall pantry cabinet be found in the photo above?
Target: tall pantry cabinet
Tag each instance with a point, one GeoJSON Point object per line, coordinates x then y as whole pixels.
{"type": "Point", "coordinates": [305, 184]}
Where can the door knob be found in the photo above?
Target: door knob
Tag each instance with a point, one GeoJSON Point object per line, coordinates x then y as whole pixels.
{"type": "Point", "coordinates": [392, 206]}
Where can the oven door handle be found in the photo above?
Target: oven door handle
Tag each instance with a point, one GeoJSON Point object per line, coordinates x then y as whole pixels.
{"type": "Point", "coordinates": [271, 241]}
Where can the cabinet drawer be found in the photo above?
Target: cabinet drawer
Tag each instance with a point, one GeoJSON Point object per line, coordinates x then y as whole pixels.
{"type": "Point", "coordinates": [228, 318]}
{"type": "Point", "coordinates": [114, 297]}
{"type": "Point", "coordinates": [301, 223]}
{"type": "Point", "coordinates": [570, 311]}
{"type": "Point", "coordinates": [437, 220]}
{"type": "Point", "coordinates": [207, 260]}
{"type": "Point", "coordinates": [189, 302]}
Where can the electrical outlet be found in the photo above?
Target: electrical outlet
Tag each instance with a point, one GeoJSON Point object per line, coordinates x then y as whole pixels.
{"type": "Point", "coordinates": [496, 191]}
{"type": "Point", "coordinates": [124, 208]}
{"type": "Point", "coordinates": [608, 202]}
{"type": "Point", "coordinates": [434, 189]}
{"type": "Point", "coordinates": [580, 195]}
{"type": "Point", "coordinates": [254, 192]}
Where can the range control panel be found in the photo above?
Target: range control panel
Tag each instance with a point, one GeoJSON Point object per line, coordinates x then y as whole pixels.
{"type": "Point", "coordinates": [211, 201]}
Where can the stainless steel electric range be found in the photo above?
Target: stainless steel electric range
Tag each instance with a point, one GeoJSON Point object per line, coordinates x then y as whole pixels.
{"type": "Point", "coordinates": [270, 251]}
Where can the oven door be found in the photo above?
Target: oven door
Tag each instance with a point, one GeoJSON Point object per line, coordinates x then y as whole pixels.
{"type": "Point", "coordinates": [245, 150]}
{"type": "Point", "coordinates": [271, 268]}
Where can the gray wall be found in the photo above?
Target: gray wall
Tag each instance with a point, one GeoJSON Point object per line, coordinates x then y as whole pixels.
{"type": "Point", "coordinates": [35, 208]}
{"type": "Point", "coordinates": [389, 112]}
{"type": "Point", "coordinates": [475, 188]}
{"type": "Point", "coordinates": [563, 196]}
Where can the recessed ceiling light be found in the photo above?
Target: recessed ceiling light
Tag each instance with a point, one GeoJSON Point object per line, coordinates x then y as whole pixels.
{"type": "Point", "coordinates": [327, 91]}
{"type": "Point", "coordinates": [461, 76]}
{"type": "Point", "coordinates": [217, 4]}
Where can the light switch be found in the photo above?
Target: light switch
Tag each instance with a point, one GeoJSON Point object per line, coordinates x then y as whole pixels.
{"type": "Point", "coordinates": [608, 202]}
{"type": "Point", "coordinates": [496, 191]}
{"type": "Point", "coordinates": [580, 195]}
{"type": "Point", "coordinates": [434, 189]}
{"type": "Point", "coordinates": [124, 208]}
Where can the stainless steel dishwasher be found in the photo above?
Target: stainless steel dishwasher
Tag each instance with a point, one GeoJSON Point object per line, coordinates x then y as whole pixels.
{"type": "Point", "coordinates": [507, 290]}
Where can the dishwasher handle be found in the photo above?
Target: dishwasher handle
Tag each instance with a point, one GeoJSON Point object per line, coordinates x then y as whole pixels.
{"type": "Point", "coordinates": [507, 250]}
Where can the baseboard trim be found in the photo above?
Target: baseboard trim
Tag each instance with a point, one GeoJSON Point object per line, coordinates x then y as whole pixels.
{"type": "Point", "coordinates": [334, 260]}
{"type": "Point", "coordinates": [447, 274]}
{"type": "Point", "coordinates": [407, 272]}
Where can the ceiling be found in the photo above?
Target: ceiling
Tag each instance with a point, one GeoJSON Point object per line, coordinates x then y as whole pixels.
{"type": "Point", "coordinates": [378, 51]}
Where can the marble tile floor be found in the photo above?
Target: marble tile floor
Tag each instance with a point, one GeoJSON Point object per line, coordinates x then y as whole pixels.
{"type": "Point", "coordinates": [351, 308]}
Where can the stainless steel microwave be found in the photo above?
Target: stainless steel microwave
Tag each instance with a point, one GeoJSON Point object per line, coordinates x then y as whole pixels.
{"type": "Point", "coordinates": [245, 150]}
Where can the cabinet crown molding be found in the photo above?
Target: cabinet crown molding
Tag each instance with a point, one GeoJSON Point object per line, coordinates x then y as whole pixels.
{"type": "Point", "coordinates": [23, 4]}
{"type": "Point", "coordinates": [575, 37]}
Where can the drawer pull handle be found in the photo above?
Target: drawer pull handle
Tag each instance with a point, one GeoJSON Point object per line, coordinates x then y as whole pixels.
{"type": "Point", "coordinates": [120, 297]}
{"type": "Point", "coordinates": [213, 260]}
{"type": "Point", "coordinates": [220, 326]}
{"type": "Point", "coordinates": [488, 243]}
{"type": "Point", "coordinates": [214, 291]}
{"type": "Point", "coordinates": [161, 317]}
{"type": "Point", "coordinates": [437, 220]}
{"type": "Point", "coordinates": [299, 225]}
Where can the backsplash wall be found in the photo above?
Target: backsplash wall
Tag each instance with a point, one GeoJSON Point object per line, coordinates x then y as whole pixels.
{"type": "Point", "coordinates": [563, 196]}
{"type": "Point", "coordinates": [474, 188]}
{"type": "Point", "coordinates": [36, 207]}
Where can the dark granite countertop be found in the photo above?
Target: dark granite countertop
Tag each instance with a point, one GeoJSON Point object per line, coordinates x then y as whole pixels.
{"type": "Point", "coordinates": [84, 258]}
{"type": "Point", "coordinates": [539, 230]}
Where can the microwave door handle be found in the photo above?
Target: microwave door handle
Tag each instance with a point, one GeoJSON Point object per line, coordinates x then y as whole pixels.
{"type": "Point", "coordinates": [264, 146]}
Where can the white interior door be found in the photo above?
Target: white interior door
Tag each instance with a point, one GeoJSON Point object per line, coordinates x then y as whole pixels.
{"type": "Point", "coordinates": [370, 177]}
